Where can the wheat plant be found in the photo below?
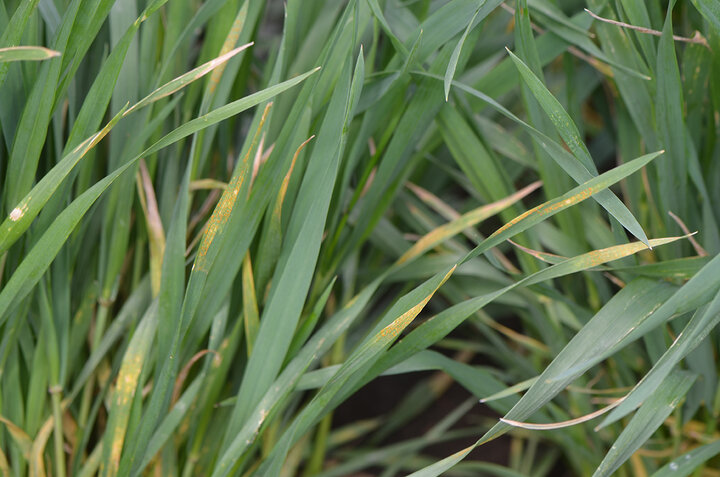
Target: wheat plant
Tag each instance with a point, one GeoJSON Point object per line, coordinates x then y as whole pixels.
{"type": "Point", "coordinates": [224, 220]}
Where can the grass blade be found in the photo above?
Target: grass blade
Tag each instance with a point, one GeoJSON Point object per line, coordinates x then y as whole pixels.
{"type": "Point", "coordinates": [648, 418]}
{"type": "Point", "coordinates": [124, 395]}
{"type": "Point", "coordinates": [702, 322]}
{"type": "Point", "coordinates": [22, 215]}
{"type": "Point", "coordinates": [570, 134]}
{"type": "Point", "coordinates": [52, 240]}
{"type": "Point", "coordinates": [688, 462]}
{"type": "Point", "coordinates": [452, 65]}
{"type": "Point", "coordinates": [26, 53]}
{"type": "Point", "coordinates": [468, 219]}
{"type": "Point", "coordinates": [710, 9]}
{"type": "Point", "coordinates": [183, 80]}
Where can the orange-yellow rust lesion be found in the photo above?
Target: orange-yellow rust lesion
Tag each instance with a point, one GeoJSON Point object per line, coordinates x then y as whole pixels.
{"type": "Point", "coordinates": [219, 218]}
{"type": "Point", "coordinates": [127, 382]}
{"type": "Point", "coordinates": [88, 143]}
{"type": "Point", "coordinates": [516, 220]}
{"type": "Point", "coordinates": [393, 329]}
{"type": "Point", "coordinates": [95, 139]}
{"type": "Point", "coordinates": [613, 253]}
{"type": "Point", "coordinates": [463, 452]}
{"type": "Point", "coordinates": [286, 179]}
{"type": "Point", "coordinates": [222, 212]}
{"type": "Point", "coordinates": [549, 207]}
{"type": "Point", "coordinates": [224, 208]}
{"type": "Point", "coordinates": [230, 41]}
{"type": "Point", "coordinates": [464, 221]}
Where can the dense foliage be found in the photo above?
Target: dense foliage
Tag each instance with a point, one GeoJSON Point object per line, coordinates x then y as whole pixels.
{"type": "Point", "coordinates": [197, 272]}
